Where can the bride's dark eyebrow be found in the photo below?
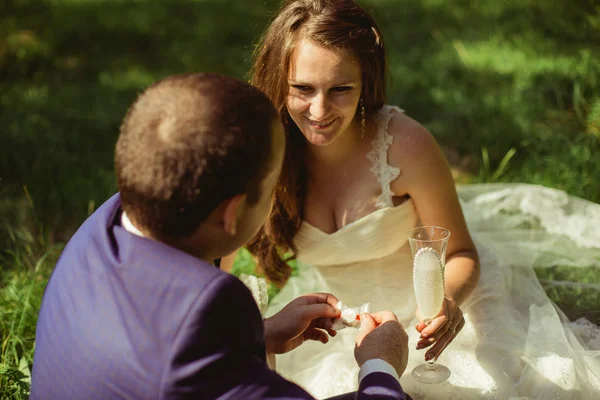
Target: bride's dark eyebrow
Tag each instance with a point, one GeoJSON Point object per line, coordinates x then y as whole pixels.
{"type": "Point", "coordinates": [300, 83]}
{"type": "Point", "coordinates": [345, 83]}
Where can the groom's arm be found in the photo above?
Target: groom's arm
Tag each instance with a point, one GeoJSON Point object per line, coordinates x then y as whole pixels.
{"type": "Point", "coordinates": [382, 353]}
{"type": "Point", "coordinates": [380, 386]}
{"type": "Point", "coordinates": [219, 351]}
{"type": "Point", "coordinates": [378, 380]}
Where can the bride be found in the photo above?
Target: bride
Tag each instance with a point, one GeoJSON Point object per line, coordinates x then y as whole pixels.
{"type": "Point", "coordinates": [358, 174]}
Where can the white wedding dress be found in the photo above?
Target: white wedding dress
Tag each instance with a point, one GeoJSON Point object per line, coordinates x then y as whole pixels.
{"type": "Point", "coordinates": [515, 344]}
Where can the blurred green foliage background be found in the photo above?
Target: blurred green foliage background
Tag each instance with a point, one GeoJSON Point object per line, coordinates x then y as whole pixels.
{"type": "Point", "coordinates": [511, 89]}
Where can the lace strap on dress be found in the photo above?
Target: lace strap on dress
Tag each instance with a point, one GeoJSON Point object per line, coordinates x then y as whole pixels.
{"type": "Point", "coordinates": [378, 156]}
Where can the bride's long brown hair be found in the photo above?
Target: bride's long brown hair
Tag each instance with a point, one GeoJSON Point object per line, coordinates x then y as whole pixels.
{"type": "Point", "coordinates": [337, 24]}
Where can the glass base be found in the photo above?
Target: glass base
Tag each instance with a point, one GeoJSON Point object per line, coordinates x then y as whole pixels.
{"type": "Point", "coordinates": [431, 373]}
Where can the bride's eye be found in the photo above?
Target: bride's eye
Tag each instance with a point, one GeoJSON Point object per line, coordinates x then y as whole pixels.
{"type": "Point", "coordinates": [301, 88]}
{"type": "Point", "coordinates": [341, 89]}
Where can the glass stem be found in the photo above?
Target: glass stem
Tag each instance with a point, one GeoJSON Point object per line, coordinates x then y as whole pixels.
{"type": "Point", "coordinates": [431, 365]}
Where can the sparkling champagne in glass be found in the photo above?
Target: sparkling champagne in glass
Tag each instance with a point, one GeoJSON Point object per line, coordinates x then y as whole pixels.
{"type": "Point", "coordinates": [428, 245]}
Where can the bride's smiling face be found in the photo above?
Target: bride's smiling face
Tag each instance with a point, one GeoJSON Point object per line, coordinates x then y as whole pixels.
{"type": "Point", "coordinates": [324, 91]}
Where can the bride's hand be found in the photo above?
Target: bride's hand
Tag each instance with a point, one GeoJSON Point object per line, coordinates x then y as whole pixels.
{"type": "Point", "coordinates": [308, 317]}
{"type": "Point", "coordinates": [441, 330]}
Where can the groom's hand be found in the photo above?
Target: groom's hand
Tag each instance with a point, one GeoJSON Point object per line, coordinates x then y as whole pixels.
{"type": "Point", "coordinates": [382, 336]}
{"type": "Point", "coordinates": [308, 317]}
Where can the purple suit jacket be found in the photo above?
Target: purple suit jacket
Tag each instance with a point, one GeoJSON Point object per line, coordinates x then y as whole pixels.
{"type": "Point", "coordinates": [125, 317]}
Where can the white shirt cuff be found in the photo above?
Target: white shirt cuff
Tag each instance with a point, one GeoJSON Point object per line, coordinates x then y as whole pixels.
{"type": "Point", "coordinates": [376, 365]}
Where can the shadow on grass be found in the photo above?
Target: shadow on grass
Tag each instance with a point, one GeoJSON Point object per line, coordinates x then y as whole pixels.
{"type": "Point", "coordinates": [469, 71]}
{"type": "Point", "coordinates": [493, 74]}
{"type": "Point", "coordinates": [68, 72]}
{"type": "Point", "coordinates": [502, 76]}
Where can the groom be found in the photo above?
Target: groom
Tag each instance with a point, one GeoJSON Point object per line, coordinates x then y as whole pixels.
{"type": "Point", "coordinates": [135, 310]}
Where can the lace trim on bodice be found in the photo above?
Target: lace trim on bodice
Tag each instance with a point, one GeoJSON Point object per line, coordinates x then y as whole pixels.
{"type": "Point", "coordinates": [378, 156]}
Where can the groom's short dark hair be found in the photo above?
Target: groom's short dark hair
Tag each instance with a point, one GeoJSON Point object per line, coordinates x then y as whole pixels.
{"type": "Point", "coordinates": [188, 143]}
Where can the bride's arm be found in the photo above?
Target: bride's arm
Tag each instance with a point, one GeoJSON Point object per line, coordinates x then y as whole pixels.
{"type": "Point", "coordinates": [461, 275]}
{"type": "Point", "coordinates": [427, 179]}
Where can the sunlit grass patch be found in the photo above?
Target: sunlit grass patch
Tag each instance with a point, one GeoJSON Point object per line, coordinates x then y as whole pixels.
{"type": "Point", "coordinates": [510, 88]}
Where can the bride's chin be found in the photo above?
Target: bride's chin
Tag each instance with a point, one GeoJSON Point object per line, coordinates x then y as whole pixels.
{"type": "Point", "coordinates": [320, 140]}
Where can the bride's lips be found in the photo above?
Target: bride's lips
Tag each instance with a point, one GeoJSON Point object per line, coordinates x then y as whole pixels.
{"type": "Point", "coordinates": [321, 125]}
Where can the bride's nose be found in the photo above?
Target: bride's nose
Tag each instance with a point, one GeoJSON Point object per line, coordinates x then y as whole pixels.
{"type": "Point", "coordinates": [319, 107]}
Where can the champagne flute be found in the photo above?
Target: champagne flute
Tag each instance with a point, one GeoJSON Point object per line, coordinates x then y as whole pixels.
{"type": "Point", "coordinates": [428, 245]}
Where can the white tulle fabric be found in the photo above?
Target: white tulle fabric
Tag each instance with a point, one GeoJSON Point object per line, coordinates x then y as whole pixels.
{"type": "Point", "coordinates": [516, 344]}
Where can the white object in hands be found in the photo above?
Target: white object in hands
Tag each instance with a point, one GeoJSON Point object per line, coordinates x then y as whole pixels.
{"type": "Point", "coordinates": [428, 280]}
{"type": "Point", "coordinates": [349, 316]}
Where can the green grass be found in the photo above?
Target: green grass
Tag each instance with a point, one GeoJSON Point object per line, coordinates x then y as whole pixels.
{"type": "Point", "coordinates": [27, 265]}
{"type": "Point", "coordinates": [576, 290]}
{"type": "Point", "coordinates": [511, 89]}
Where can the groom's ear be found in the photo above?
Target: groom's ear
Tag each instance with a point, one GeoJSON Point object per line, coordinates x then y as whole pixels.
{"type": "Point", "coordinates": [233, 209]}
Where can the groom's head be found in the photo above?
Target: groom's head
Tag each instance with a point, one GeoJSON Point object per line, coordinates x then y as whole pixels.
{"type": "Point", "coordinates": [196, 161]}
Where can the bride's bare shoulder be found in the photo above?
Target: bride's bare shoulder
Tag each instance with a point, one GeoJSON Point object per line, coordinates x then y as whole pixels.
{"type": "Point", "coordinates": [413, 144]}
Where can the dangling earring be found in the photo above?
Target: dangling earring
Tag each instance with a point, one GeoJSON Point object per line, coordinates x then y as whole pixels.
{"type": "Point", "coordinates": [284, 117]}
{"type": "Point", "coordinates": [363, 119]}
